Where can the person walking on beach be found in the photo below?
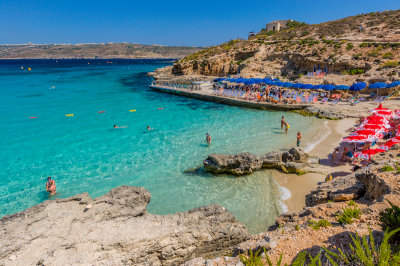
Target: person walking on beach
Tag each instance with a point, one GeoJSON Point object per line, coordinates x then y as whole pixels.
{"type": "Point", "coordinates": [51, 186]}
{"type": "Point", "coordinates": [208, 138]}
{"type": "Point", "coordinates": [298, 138]}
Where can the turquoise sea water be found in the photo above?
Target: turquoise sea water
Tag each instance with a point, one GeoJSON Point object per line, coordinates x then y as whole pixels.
{"type": "Point", "coordinates": [84, 153]}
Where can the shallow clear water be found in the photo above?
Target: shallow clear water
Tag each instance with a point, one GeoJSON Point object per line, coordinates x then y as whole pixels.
{"type": "Point", "coordinates": [84, 153]}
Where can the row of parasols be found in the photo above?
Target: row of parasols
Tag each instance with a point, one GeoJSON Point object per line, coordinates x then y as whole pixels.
{"type": "Point", "coordinates": [328, 87]}
{"type": "Point", "coordinates": [373, 128]}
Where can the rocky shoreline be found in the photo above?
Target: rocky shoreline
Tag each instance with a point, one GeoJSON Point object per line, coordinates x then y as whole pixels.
{"type": "Point", "coordinates": [117, 229]}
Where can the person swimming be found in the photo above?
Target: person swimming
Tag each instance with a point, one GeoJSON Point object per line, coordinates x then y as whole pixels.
{"type": "Point", "coordinates": [208, 138]}
{"type": "Point", "coordinates": [148, 128]}
{"type": "Point", "coordinates": [115, 126]}
{"type": "Point", "coordinates": [51, 186]}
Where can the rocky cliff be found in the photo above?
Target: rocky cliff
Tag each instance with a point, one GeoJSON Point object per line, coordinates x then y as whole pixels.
{"type": "Point", "coordinates": [115, 229]}
{"type": "Point", "coordinates": [349, 54]}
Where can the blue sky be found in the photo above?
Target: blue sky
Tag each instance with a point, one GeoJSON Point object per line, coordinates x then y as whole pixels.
{"type": "Point", "coordinates": [174, 22]}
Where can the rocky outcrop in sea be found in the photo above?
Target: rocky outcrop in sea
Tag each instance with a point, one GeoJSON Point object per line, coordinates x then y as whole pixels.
{"type": "Point", "coordinates": [294, 160]}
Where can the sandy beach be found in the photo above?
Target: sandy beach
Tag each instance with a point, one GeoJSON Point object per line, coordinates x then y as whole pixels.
{"type": "Point", "coordinates": [300, 186]}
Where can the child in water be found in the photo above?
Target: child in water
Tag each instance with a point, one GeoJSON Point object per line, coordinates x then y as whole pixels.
{"type": "Point", "coordinates": [298, 138]}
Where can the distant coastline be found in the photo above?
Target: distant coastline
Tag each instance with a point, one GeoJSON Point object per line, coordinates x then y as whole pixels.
{"type": "Point", "coordinates": [94, 51]}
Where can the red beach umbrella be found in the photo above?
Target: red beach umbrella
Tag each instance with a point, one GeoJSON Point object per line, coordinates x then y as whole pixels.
{"type": "Point", "coordinates": [373, 126]}
{"type": "Point", "coordinates": [358, 138]}
{"type": "Point", "coordinates": [389, 144]}
{"type": "Point", "coordinates": [383, 112]}
{"type": "Point", "coordinates": [372, 151]}
{"type": "Point", "coordinates": [366, 132]}
{"type": "Point", "coordinates": [380, 107]}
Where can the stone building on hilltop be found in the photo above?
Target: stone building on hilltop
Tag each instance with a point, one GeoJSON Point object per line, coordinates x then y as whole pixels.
{"type": "Point", "coordinates": [277, 25]}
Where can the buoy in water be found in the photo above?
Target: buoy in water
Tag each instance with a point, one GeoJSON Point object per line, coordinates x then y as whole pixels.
{"type": "Point", "coordinates": [160, 108]}
{"type": "Point", "coordinates": [29, 69]}
{"type": "Point", "coordinates": [133, 110]}
{"type": "Point", "coordinates": [32, 117]}
{"type": "Point", "coordinates": [22, 67]}
{"type": "Point", "coordinates": [102, 111]}
{"type": "Point", "coordinates": [69, 115]}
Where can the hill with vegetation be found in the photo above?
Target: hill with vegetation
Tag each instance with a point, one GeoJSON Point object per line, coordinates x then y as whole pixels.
{"type": "Point", "coordinates": [101, 50]}
{"type": "Point", "coordinates": [364, 48]}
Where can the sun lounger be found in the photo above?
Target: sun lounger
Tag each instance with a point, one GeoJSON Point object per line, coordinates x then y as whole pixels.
{"type": "Point", "coordinates": [335, 101]}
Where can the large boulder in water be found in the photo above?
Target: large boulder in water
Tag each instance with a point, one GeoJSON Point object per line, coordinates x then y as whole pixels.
{"type": "Point", "coordinates": [238, 164]}
{"type": "Point", "coordinates": [294, 160]}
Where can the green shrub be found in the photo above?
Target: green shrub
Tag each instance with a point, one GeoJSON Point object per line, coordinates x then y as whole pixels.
{"type": "Point", "coordinates": [337, 45]}
{"type": "Point", "coordinates": [302, 258]}
{"type": "Point", "coordinates": [366, 252]}
{"type": "Point", "coordinates": [390, 219]}
{"type": "Point", "coordinates": [390, 64]}
{"type": "Point", "coordinates": [362, 45]}
{"type": "Point", "coordinates": [357, 56]}
{"type": "Point", "coordinates": [348, 214]}
{"type": "Point", "coordinates": [387, 55]}
{"type": "Point", "coordinates": [387, 168]}
{"type": "Point", "coordinates": [295, 24]}
{"type": "Point", "coordinates": [321, 223]}
{"type": "Point", "coordinates": [297, 227]}
{"type": "Point", "coordinates": [352, 203]}
{"type": "Point", "coordinates": [254, 259]}
{"type": "Point", "coordinates": [373, 53]}
{"type": "Point", "coordinates": [327, 41]}
{"type": "Point", "coordinates": [349, 46]}
{"type": "Point", "coordinates": [305, 33]}
{"type": "Point", "coordinates": [354, 71]}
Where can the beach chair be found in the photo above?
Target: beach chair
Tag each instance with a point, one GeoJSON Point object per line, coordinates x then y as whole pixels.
{"type": "Point", "coordinates": [335, 101]}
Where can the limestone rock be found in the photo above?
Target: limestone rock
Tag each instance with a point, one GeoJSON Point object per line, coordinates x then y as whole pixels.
{"type": "Point", "coordinates": [220, 261]}
{"type": "Point", "coordinates": [344, 197]}
{"type": "Point", "coordinates": [338, 188]}
{"type": "Point", "coordinates": [116, 230]}
{"type": "Point", "coordinates": [293, 161]}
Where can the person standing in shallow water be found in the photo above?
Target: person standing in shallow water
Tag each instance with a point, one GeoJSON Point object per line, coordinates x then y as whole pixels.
{"type": "Point", "coordinates": [51, 186]}
{"type": "Point", "coordinates": [283, 122]}
{"type": "Point", "coordinates": [208, 139]}
{"type": "Point", "coordinates": [298, 138]}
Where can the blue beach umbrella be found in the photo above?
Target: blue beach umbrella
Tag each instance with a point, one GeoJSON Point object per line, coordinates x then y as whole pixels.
{"type": "Point", "coordinates": [358, 86]}
{"type": "Point", "coordinates": [297, 85]}
{"type": "Point", "coordinates": [329, 87]}
{"type": "Point", "coordinates": [378, 85]}
{"type": "Point", "coordinates": [394, 84]}
{"type": "Point", "coordinates": [287, 84]}
{"type": "Point", "coordinates": [341, 87]}
{"type": "Point", "coordinates": [307, 86]}
{"type": "Point", "coordinates": [318, 87]}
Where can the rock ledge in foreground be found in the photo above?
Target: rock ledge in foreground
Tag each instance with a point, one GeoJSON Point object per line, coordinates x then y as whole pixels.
{"type": "Point", "coordinates": [115, 229]}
